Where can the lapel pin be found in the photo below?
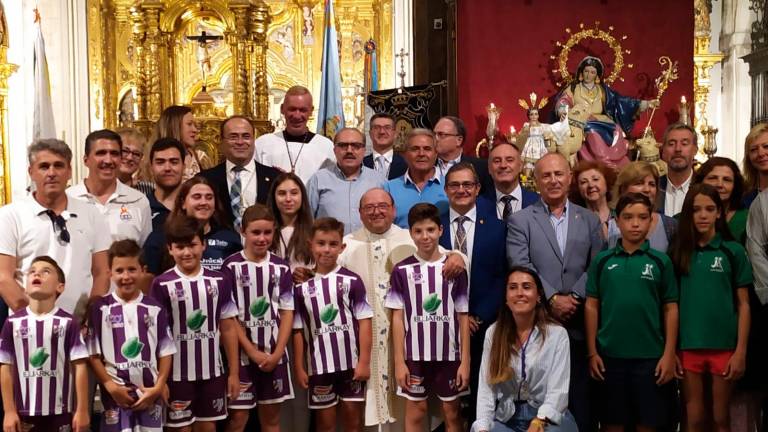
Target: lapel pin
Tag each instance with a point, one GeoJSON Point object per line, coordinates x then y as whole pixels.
{"type": "Point", "coordinates": [482, 221]}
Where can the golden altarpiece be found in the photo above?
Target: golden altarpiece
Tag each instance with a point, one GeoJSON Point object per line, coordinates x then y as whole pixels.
{"type": "Point", "coordinates": [143, 57]}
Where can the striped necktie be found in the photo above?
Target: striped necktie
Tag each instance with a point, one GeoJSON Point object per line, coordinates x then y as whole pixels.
{"type": "Point", "coordinates": [235, 195]}
{"type": "Point", "coordinates": [507, 212]}
{"type": "Point", "coordinates": [460, 242]}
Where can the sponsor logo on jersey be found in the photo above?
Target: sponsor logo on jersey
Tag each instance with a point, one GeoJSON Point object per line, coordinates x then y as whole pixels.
{"type": "Point", "coordinates": [647, 272]}
{"type": "Point", "coordinates": [717, 266]}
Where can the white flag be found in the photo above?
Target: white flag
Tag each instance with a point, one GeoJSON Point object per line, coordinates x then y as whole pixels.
{"type": "Point", "coordinates": [44, 126]}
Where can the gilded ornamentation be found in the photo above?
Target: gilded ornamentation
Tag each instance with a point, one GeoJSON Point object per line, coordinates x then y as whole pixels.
{"type": "Point", "coordinates": [591, 33]}
{"type": "Point", "coordinates": [6, 70]}
{"type": "Point", "coordinates": [703, 61]}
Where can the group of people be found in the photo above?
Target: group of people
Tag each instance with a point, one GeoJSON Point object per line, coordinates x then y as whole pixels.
{"type": "Point", "coordinates": [300, 276]}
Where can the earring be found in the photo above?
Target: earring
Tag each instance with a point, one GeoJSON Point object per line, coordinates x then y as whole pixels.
{"type": "Point", "coordinates": [597, 80]}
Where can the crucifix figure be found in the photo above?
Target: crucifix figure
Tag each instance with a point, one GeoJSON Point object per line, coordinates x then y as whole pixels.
{"type": "Point", "coordinates": [401, 74]}
{"type": "Point", "coordinates": [204, 42]}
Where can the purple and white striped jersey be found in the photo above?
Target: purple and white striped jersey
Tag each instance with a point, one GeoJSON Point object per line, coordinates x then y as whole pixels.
{"type": "Point", "coordinates": [42, 347]}
{"type": "Point", "coordinates": [129, 337]}
{"type": "Point", "coordinates": [196, 304]}
{"type": "Point", "coordinates": [328, 308]}
{"type": "Point", "coordinates": [261, 291]}
{"type": "Point", "coordinates": [431, 306]}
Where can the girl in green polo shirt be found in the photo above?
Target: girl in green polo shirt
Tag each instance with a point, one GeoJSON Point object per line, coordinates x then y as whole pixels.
{"type": "Point", "coordinates": [714, 274]}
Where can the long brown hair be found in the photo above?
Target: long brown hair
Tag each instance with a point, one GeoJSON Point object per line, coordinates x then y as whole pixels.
{"type": "Point", "coordinates": [298, 245]}
{"type": "Point", "coordinates": [217, 219]}
{"type": "Point", "coordinates": [686, 237]}
{"type": "Point", "coordinates": [503, 345]}
{"type": "Point", "coordinates": [169, 123]}
{"type": "Point", "coordinates": [734, 202]}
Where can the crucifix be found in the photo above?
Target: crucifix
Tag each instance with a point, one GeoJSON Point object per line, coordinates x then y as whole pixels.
{"type": "Point", "coordinates": [204, 41]}
{"type": "Point", "coordinates": [401, 74]}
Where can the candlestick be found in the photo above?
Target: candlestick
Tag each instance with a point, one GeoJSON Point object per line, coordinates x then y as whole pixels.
{"type": "Point", "coordinates": [685, 117]}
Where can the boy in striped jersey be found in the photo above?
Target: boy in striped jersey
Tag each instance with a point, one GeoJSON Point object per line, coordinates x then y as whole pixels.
{"type": "Point", "coordinates": [131, 346]}
{"type": "Point", "coordinates": [202, 316]}
{"type": "Point", "coordinates": [264, 297]}
{"type": "Point", "coordinates": [40, 346]}
{"type": "Point", "coordinates": [334, 318]}
{"type": "Point", "coordinates": [430, 326]}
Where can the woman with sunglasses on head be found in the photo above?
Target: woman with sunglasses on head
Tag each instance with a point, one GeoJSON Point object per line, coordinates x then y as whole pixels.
{"type": "Point", "coordinates": [196, 199]}
{"type": "Point", "coordinates": [525, 368]}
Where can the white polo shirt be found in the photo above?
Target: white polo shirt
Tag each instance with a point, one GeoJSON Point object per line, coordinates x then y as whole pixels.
{"type": "Point", "coordinates": [126, 211]}
{"type": "Point", "coordinates": [27, 232]}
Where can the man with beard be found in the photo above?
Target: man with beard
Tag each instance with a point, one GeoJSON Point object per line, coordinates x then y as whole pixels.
{"type": "Point", "coordinates": [678, 151]}
{"type": "Point", "coordinates": [422, 182]}
{"type": "Point", "coordinates": [166, 164]}
{"type": "Point", "coordinates": [295, 149]}
{"type": "Point", "coordinates": [336, 190]}
{"type": "Point", "coordinates": [125, 209]}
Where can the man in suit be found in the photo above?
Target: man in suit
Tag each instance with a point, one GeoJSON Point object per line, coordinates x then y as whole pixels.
{"type": "Point", "coordinates": [383, 158]}
{"type": "Point", "coordinates": [471, 226]}
{"type": "Point", "coordinates": [558, 240]}
{"type": "Point", "coordinates": [678, 150]}
{"type": "Point", "coordinates": [241, 180]}
{"type": "Point", "coordinates": [504, 165]}
{"type": "Point", "coordinates": [451, 134]}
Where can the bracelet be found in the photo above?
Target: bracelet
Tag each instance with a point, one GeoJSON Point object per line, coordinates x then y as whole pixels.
{"type": "Point", "coordinates": [552, 299]}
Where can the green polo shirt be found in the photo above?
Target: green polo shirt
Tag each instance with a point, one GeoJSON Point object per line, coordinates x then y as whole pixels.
{"type": "Point", "coordinates": [632, 289]}
{"type": "Point", "coordinates": [708, 318]}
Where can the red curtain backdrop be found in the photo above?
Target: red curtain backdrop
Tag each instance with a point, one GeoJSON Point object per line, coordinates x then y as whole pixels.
{"type": "Point", "coordinates": [504, 49]}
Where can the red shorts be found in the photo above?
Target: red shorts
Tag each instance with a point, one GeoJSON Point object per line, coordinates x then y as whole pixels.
{"type": "Point", "coordinates": [705, 361]}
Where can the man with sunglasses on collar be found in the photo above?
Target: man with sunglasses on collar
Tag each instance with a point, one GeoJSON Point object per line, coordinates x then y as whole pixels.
{"type": "Point", "coordinates": [47, 222]}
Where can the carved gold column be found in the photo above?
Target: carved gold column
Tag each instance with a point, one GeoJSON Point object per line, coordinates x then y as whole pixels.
{"type": "Point", "coordinates": [139, 29]}
{"type": "Point", "coordinates": [237, 40]}
{"type": "Point", "coordinates": [153, 45]}
{"type": "Point", "coordinates": [6, 70]}
{"type": "Point", "coordinates": [258, 23]}
{"type": "Point", "coordinates": [703, 61]}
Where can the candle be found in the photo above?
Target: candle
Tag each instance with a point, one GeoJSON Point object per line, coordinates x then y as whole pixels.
{"type": "Point", "coordinates": [682, 100]}
{"type": "Point", "coordinates": [512, 130]}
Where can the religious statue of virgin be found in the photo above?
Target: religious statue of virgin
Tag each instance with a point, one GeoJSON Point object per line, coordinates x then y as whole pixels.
{"type": "Point", "coordinates": [599, 117]}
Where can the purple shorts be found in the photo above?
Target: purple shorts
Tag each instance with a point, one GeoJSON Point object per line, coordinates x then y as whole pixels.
{"type": "Point", "coordinates": [49, 423]}
{"type": "Point", "coordinates": [259, 387]}
{"type": "Point", "coordinates": [432, 377]}
{"type": "Point", "coordinates": [116, 419]}
{"type": "Point", "coordinates": [326, 390]}
{"type": "Point", "coordinates": [193, 401]}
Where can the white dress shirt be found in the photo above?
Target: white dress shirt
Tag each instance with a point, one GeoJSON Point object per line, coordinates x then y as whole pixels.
{"type": "Point", "coordinates": [444, 166]}
{"type": "Point", "coordinates": [674, 196]}
{"type": "Point", "coordinates": [247, 183]}
{"type": "Point", "coordinates": [388, 155]}
{"type": "Point", "coordinates": [517, 201]}
{"type": "Point", "coordinates": [469, 228]}
{"type": "Point", "coordinates": [547, 375]}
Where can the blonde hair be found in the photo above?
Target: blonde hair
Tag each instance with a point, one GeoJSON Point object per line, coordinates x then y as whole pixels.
{"type": "Point", "coordinates": [632, 173]}
{"type": "Point", "coordinates": [751, 176]}
{"type": "Point", "coordinates": [131, 134]}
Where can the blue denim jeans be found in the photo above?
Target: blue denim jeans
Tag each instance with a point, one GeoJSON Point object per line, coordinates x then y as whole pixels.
{"type": "Point", "coordinates": [524, 413]}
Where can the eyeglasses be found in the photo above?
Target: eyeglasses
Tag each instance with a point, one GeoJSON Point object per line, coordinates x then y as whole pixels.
{"type": "Point", "coordinates": [59, 222]}
{"type": "Point", "coordinates": [354, 145]}
{"type": "Point", "coordinates": [443, 135]}
{"type": "Point", "coordinates": [454, 186]}
{"type": "Point", "coordinates": [132, 153]}
{"type": "Point", "coordinates": [371, 208]}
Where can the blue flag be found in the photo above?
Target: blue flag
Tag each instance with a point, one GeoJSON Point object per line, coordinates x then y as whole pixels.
{"type": "Point", "coordinates": [330, 117]}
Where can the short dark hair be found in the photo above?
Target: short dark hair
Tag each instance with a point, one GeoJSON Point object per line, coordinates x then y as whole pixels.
{"type": "Point", "coordinates": [182, 229]}
{"type": "Point", "coordinates": [327, 224]}
{"type": "Point", "coordinates": [462, 166]}
{"type": "Point", "coordinates": [106, 134]}
{"type": "Point", "coordinates": [165, 144]}
{"type": "Point", "coordinates": [234, 117]}
{"type": "Point", "coordinates": [631, 198]}
{"type": "Point", "coordinates": [126, 248]}
{"type": "Point", "coordinates": [458, 123]}
{"type": "Point", "coordinates": [382, 115]}
{"type": "Point", "coordinates": [680, 126]}
{"type": "Point", "coordinates": [256, 212]}
{"type": "Point", "coordinates": [53, 263]}
{"type": "Point", "coordinates": [423, 211]}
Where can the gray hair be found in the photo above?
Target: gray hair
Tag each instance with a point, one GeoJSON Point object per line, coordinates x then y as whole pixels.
{"type": "Point", "coordinates": [680, 126]}
{"type": "Point", "coordinates": [419, 132]}
{"type": "Point", "coordinates": [53, 145]}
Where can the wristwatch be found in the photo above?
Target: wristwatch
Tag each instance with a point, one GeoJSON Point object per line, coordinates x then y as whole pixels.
{"type": "Point", "coordinates": [552, 299]}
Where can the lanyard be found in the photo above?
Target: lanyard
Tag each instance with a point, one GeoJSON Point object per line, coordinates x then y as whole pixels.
{"type": "Point", "coordinates": [522, 365]}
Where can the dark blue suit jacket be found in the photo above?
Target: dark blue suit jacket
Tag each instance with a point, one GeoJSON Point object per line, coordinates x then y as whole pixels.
{"type": "Point", "coordinates": [397, 168]}
{"type": "Point", "coordinates": [488, 278]}
{"type": "Point", "coordinates": [529, 197]}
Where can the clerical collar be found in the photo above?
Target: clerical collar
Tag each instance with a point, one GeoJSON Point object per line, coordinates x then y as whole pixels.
{"type": "Point", "coordinates": [302, 138]}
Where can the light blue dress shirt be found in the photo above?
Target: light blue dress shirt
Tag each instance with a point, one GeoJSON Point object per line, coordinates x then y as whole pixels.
{"type": "Point", "coordinates": [560, 225]}
{"type": "Point", "coordinates": [332, 194]}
